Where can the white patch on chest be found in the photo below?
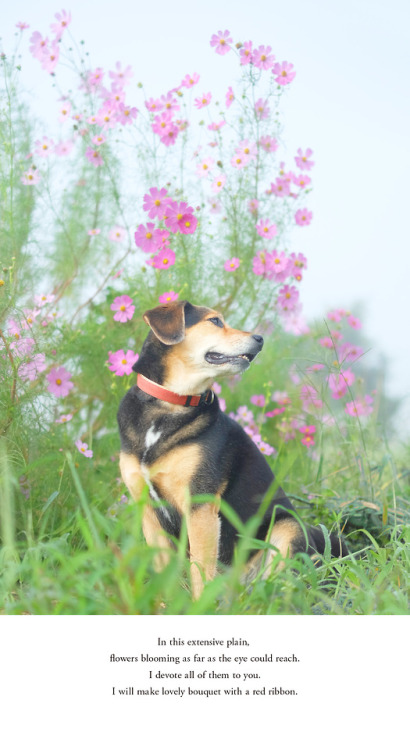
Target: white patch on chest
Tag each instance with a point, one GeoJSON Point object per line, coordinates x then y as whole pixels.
{"type": "Point", "coordinates": [152, 436]}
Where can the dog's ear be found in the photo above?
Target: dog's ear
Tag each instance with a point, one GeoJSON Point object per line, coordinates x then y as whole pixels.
{"type": "Point", "coordinates": [167, 322]}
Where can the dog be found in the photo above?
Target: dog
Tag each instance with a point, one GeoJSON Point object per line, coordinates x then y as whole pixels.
{"type": "Point", "coordinates": [176, 440]}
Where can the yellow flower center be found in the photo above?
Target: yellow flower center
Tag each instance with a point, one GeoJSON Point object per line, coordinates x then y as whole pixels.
{"type": "Point", "coordinates": [179, 217]}
{"type": "Point", "coordinates": [123, 361]}
{"type": "Point", "coordinates": [122, 307]}
{"type": "Point", "coordinates": [157, 202]}
{"type": "Point", "coordinates": [148, 235]}
{"type": "Point", "coordinates": [187, 223]}
{"type": "Point", "coordinates": [165, 261]}
{"type": "Point", "coordinates": [58, 381]}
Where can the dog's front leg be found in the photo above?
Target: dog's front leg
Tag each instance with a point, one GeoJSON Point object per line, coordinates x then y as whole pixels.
{"type": "Point", "coordinates": [155, 537]}
{"type": "Point", "coordinates": [203, 524]}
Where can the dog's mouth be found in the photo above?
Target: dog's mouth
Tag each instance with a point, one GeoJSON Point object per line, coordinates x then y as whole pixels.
{"type": "Point", "coordinates": [215, 358]}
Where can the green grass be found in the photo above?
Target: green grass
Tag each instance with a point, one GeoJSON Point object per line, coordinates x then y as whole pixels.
{"type": "Point", "coordinates": [89, 563]}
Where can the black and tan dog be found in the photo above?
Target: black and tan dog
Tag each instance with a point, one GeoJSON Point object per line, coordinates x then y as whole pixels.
{"type": "Point", "coordinates": [175, 439]}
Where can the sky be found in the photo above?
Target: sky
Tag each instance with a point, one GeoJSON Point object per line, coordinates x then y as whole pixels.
{"type": "Point", "coordinates": [349, 102]}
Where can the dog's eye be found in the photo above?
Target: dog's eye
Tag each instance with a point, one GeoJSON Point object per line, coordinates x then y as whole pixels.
{"type": "Point", "coordinates": [216, 322]}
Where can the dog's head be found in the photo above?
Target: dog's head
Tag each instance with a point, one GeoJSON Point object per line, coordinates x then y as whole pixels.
{"type": "Point", "coordinates": [195, 347]}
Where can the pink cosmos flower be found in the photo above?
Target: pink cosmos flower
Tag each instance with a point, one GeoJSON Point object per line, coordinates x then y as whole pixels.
{"type": "Point", "coordinates": [279, 266]}
{"type": "Point", "coordinates": [22, 347]}
{"type": "Point", "coordinates": [247, 149]}
{"type": "Point", "coordinates": [121, 77]}
{"type": "Point", "coordinates": [265, 229]}
{"type": "Point", "coordinates": [218, 183]}
{"type": "Point", "coordinates": [22, 25]}
{"type": "Point", "coordinates": [239, 161]}
{"type": "Point", "coordinates": [262, 110]}
{"type": "Point", "coordinates": [275, 412]}
{"type": "Point", "coordinates": [170, 134]}
{"type": "Point", "coordinates": [258, 400]}
{"type": "Point", "coordinates": [148, 238]}
{"type": "Point", "coordinates": [43, 299]}
{"type": "Point", "coordinates": [188, 224]}
{"type": "Point", "coordinates": [31, 177]}
{"type": "Point", "coordinates": [94, 78]}
{"type": "Point", "coordinates": [303, 217]}
{"type": "Point", "coordinates": [168, 297]}
{"type": "Point", "coordinates": [326, 342]}
{"type": "Point", "coordinates": [301, 180]}
{"type": "Point", "coordinates": [360, 408]}
{"type": "Point", "coordinates": [265, 448]}
{"type": "Point", "coordinates": [221, 42]}
{"type": "Point", "coordinates": [84, 449]}
{"type": "Point", "coordinates": [44, 147]}
{"type": "Point", "coordinates": [155, 202]}
{"type": "Point", "coordinates": [93, 232]}
{"type": "Point", "coordinates": [123, 307]}
{"type": "Point", "coordinates": [310, 397]}
{"type": "Point", "coordinates": [229, 97]}
{"type": "Point", "coordinates": [203, 100]}
{"type": "Point", "coordinates": [354, 322]}
{"type": "Point", "coordinates": [59, 381]}
{"type": "Point", "coordinates": [63, 148]}
{"type": "Point", "coordinates": [121, 363]}
{"type": "Point", "coordinates": [30, 370]}
{"type": "Point", "coordinates": [94, 156]}
{"type": "Point", "coordinates": [268, 143]}
{"type": "Point", "coordinates": [126, 114]}
{"type": "Point", "coordinates": [303, 159]}
{"type": "Point", "coordinates": [260, 264]}
{"type": "Point", "coordinates": [216, 125]}
{"type": "Point", "coordinates": [253, 206]}
{"type": "Point", "coordinates": [204, 167]}
{"type": "Point", "coordinates": [170, 103]}
{"type": "Point", "coordinates": [299, 262]}
{"type": "Point", "coordinates": [335, 315]}
{"type": "Point", "coordinates": [117, 234]}
{"type": "Point", "coordinates": [180, 218]}
{"type": "Point", "coordinates": [63, 20]}
{"type": "Point", "coordinates": [245, 53]}
{"type": "Point", "coordinates": [153, 105]}
{"type": "Point", "coordinates": [65, 110]}
{"type": "Point", "coordinates": [308, 431]}
{"type": "Point", "coordinates": [164, 259]}
{"type": "Point", "coordinates": [349, 352]}
{"type": "Point", "coordinates": [190, 81]}
{"type": "Point", "coordinates": [232, 264]}
{"type": "Point", "coordinates": [288, 298]}
{"type": "Point", "coordinates": [284, 73]}
{"type": "Point", "coordinates": [337, 385]}
{"type": "Point", "coordinates": [262, 57]}
{"type": "Point", "coordinates": [215, 206]}
{"type": "Point", "coordinates": [50, 57]}
{"type": "Point", "coordinates": [38, 45]}
{"type": "Point", "coordinates": [29, 318]}
{"type": "Point", "coordinates": [64, 418]}
{"type": "Point", "coordinates": [280, 188]}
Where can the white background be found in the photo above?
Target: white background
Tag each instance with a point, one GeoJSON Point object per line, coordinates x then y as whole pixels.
{"type": "Point", "coordinates": [57, 679]}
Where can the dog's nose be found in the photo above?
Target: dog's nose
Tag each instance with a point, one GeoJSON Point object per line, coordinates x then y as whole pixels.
{"type": "Point", "coordinates": [258, 338]}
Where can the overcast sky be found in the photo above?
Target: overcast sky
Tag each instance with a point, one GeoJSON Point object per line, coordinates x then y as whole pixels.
{"type": "Point", "coordinates": [349, 102]}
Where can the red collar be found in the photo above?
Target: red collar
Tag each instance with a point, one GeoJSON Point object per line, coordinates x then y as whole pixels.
{"type": "Point", "coordinates": [158, 391]}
